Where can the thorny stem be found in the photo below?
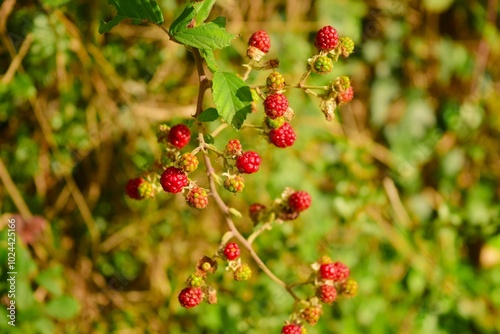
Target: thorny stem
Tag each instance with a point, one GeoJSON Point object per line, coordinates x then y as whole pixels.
{"type": "Point", "coordinates": [204, 85]}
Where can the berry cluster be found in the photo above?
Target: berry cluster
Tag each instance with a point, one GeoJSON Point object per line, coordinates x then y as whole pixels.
{"type": "Point", "coordinates": [288, 207]}
{"type": "Point", "coordinates": [197, 285]}
{"type": "Point", "coordinates": [173, 171]}
{"type": "Point", "coordinates": [332, 281]}
{"type": "Point", "coordinates": [170, 172]}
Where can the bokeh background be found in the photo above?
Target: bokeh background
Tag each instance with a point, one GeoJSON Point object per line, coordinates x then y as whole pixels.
{"type": "Point", "coordinates": [405, 180]}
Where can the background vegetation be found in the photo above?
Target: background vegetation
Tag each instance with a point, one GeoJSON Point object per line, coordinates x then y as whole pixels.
{"type": "Point", "coordinates": [405, 182]}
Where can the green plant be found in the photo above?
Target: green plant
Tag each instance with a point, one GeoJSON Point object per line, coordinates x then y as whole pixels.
{"type": "Point", "coordinates": [233, 99]}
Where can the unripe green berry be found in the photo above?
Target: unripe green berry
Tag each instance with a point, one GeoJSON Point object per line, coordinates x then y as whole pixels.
{"type": "Point", "coordinates": [197, 198]}
{"type": "Point", "coordinates": [146, 190]}
{"type": "Point", "coordinates": [275, 81]}
{"type": "Point", "coordinates": [311, 314]}
{"type": "Point", "coordinates": [322, 65]}
{"type": "Point", "coordinates": [346, 46]}
{"type": "Point", "coordinates": [194, 281]}
{"type": "Point", "coordinates": [188, 162]}
{"type": "Point", "coordinates": [234, 184]}
{"type": "Point", "coordinates": [349, 288]}
{"type": "Point", "coordinates": [275, 123]}
{"type": "Point", "coordinates": [243, 273]}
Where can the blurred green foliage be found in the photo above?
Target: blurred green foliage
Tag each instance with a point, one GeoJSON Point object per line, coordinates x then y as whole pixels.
{"type": "Point", "coordinates": [405, 181]}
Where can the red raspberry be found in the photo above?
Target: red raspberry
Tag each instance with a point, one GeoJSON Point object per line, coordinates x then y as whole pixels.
{"type": "Point", "coordinates": [255, 211]}
{"type": "Point", "coordinates": [179, 135]}
{"type": "Point", "coordinates": [188, 162]}
{"type": "Point", "coordinates": [275, 105]}
{"type": "Point", "coordinates": [299, 201]}
{"type": "Point", "coordinates": [173, 180]}
{"type": "Point", "coordinates": [311, 314]}
{"type": "Point", "coordinates": [232, 251]}
{"type": "Point", "coordinates": [248, 162]}
{"type": "Point", "coordinates": [233, 148]}
{"type": "Point", "coordinates": [326, 39]}
{"type": "Point", "coordinates": [234, 184]}
{"type": "Point", "coordinates": [346, 96]}
{"type": "Point", "coordinates": [291, 329]}
{"type": "Point", "coordinates": [283, 136]}
{"type": "Point", "coordinates": [326, 293]}
{"type": "Point", "coordinates": [132, 188]}
{"type": "Point", "coordinates": [190, 297]}
{"type": "Point", "coordinates": [260, 39]}
{"type": "Point", "coordinates": [197, 198]}
{"type": "Point", "coordinates": [335, 271]}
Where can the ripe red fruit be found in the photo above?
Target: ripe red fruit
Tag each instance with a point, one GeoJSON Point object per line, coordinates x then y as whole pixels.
{"type": "Point", "coordinates": [346, 96]}
{"type": "Point", "coordinates": [326, 39]}
{"type": "Point", "coordinates": [132, 188]}
{"type": "Point", "coordinates": [299, 201]}
{"type": "Point", "coordinates": [337, 271]}
{"type": "Point", "coordinates": [275, 105]}
{"type": "Point", "coordinates": [173, 180]}
{"type": "Point", "coordinates": [232, 251]}
{"type": "Point", "coordinates": [326, 293]}
{"type": "Point", "coordinates": [260, 40]}
{"type": "Point", "coordinates": [190, 297]}
{"type": "Point", "coordinates": [248, 162]}
{"type": "Point", "coordinates": [291, 329]}
{"type": "Point", "coordinates": [179, 135]}
{"type": "Point", "coordinates": [283, 136]}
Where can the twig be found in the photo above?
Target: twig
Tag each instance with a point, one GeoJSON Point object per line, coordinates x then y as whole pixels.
{"type": "Point", "coordinates": [14, 193]}
{"type": "Point", "coordinates": [16, 62]}
{"type": "Point", "coordinates": [398, 207]}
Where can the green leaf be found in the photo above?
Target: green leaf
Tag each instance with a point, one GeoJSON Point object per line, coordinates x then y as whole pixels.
{"type": "Point", "coordinates": [63, 308]}
{"type": "Point", "coordinates": [138, 10]}
{"type": "Point", "coordinates": [54, 3]}
{"type": "Point", "coordinates": [232, 98]}
{"type": "Point", "coordinates": [209, 57]}
{"type": "Point", "coordinates": [210, 36]}
{"type": "Point", "coordinates": [51, 279]}
{"type": "Point", "coordinates": [209, 139]}
{"type": "Point", "coordinates": [203, 10]}
{"type": "Point", "coordinates": [183, 20]}
{"type": "Point", "coordinates": [208, 115]}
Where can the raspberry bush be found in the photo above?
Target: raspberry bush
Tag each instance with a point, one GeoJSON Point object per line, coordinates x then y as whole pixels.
{"type": "Point", "coordinates": [407, 167]}
{"type": "Point", "coordinates": [233, 99]}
